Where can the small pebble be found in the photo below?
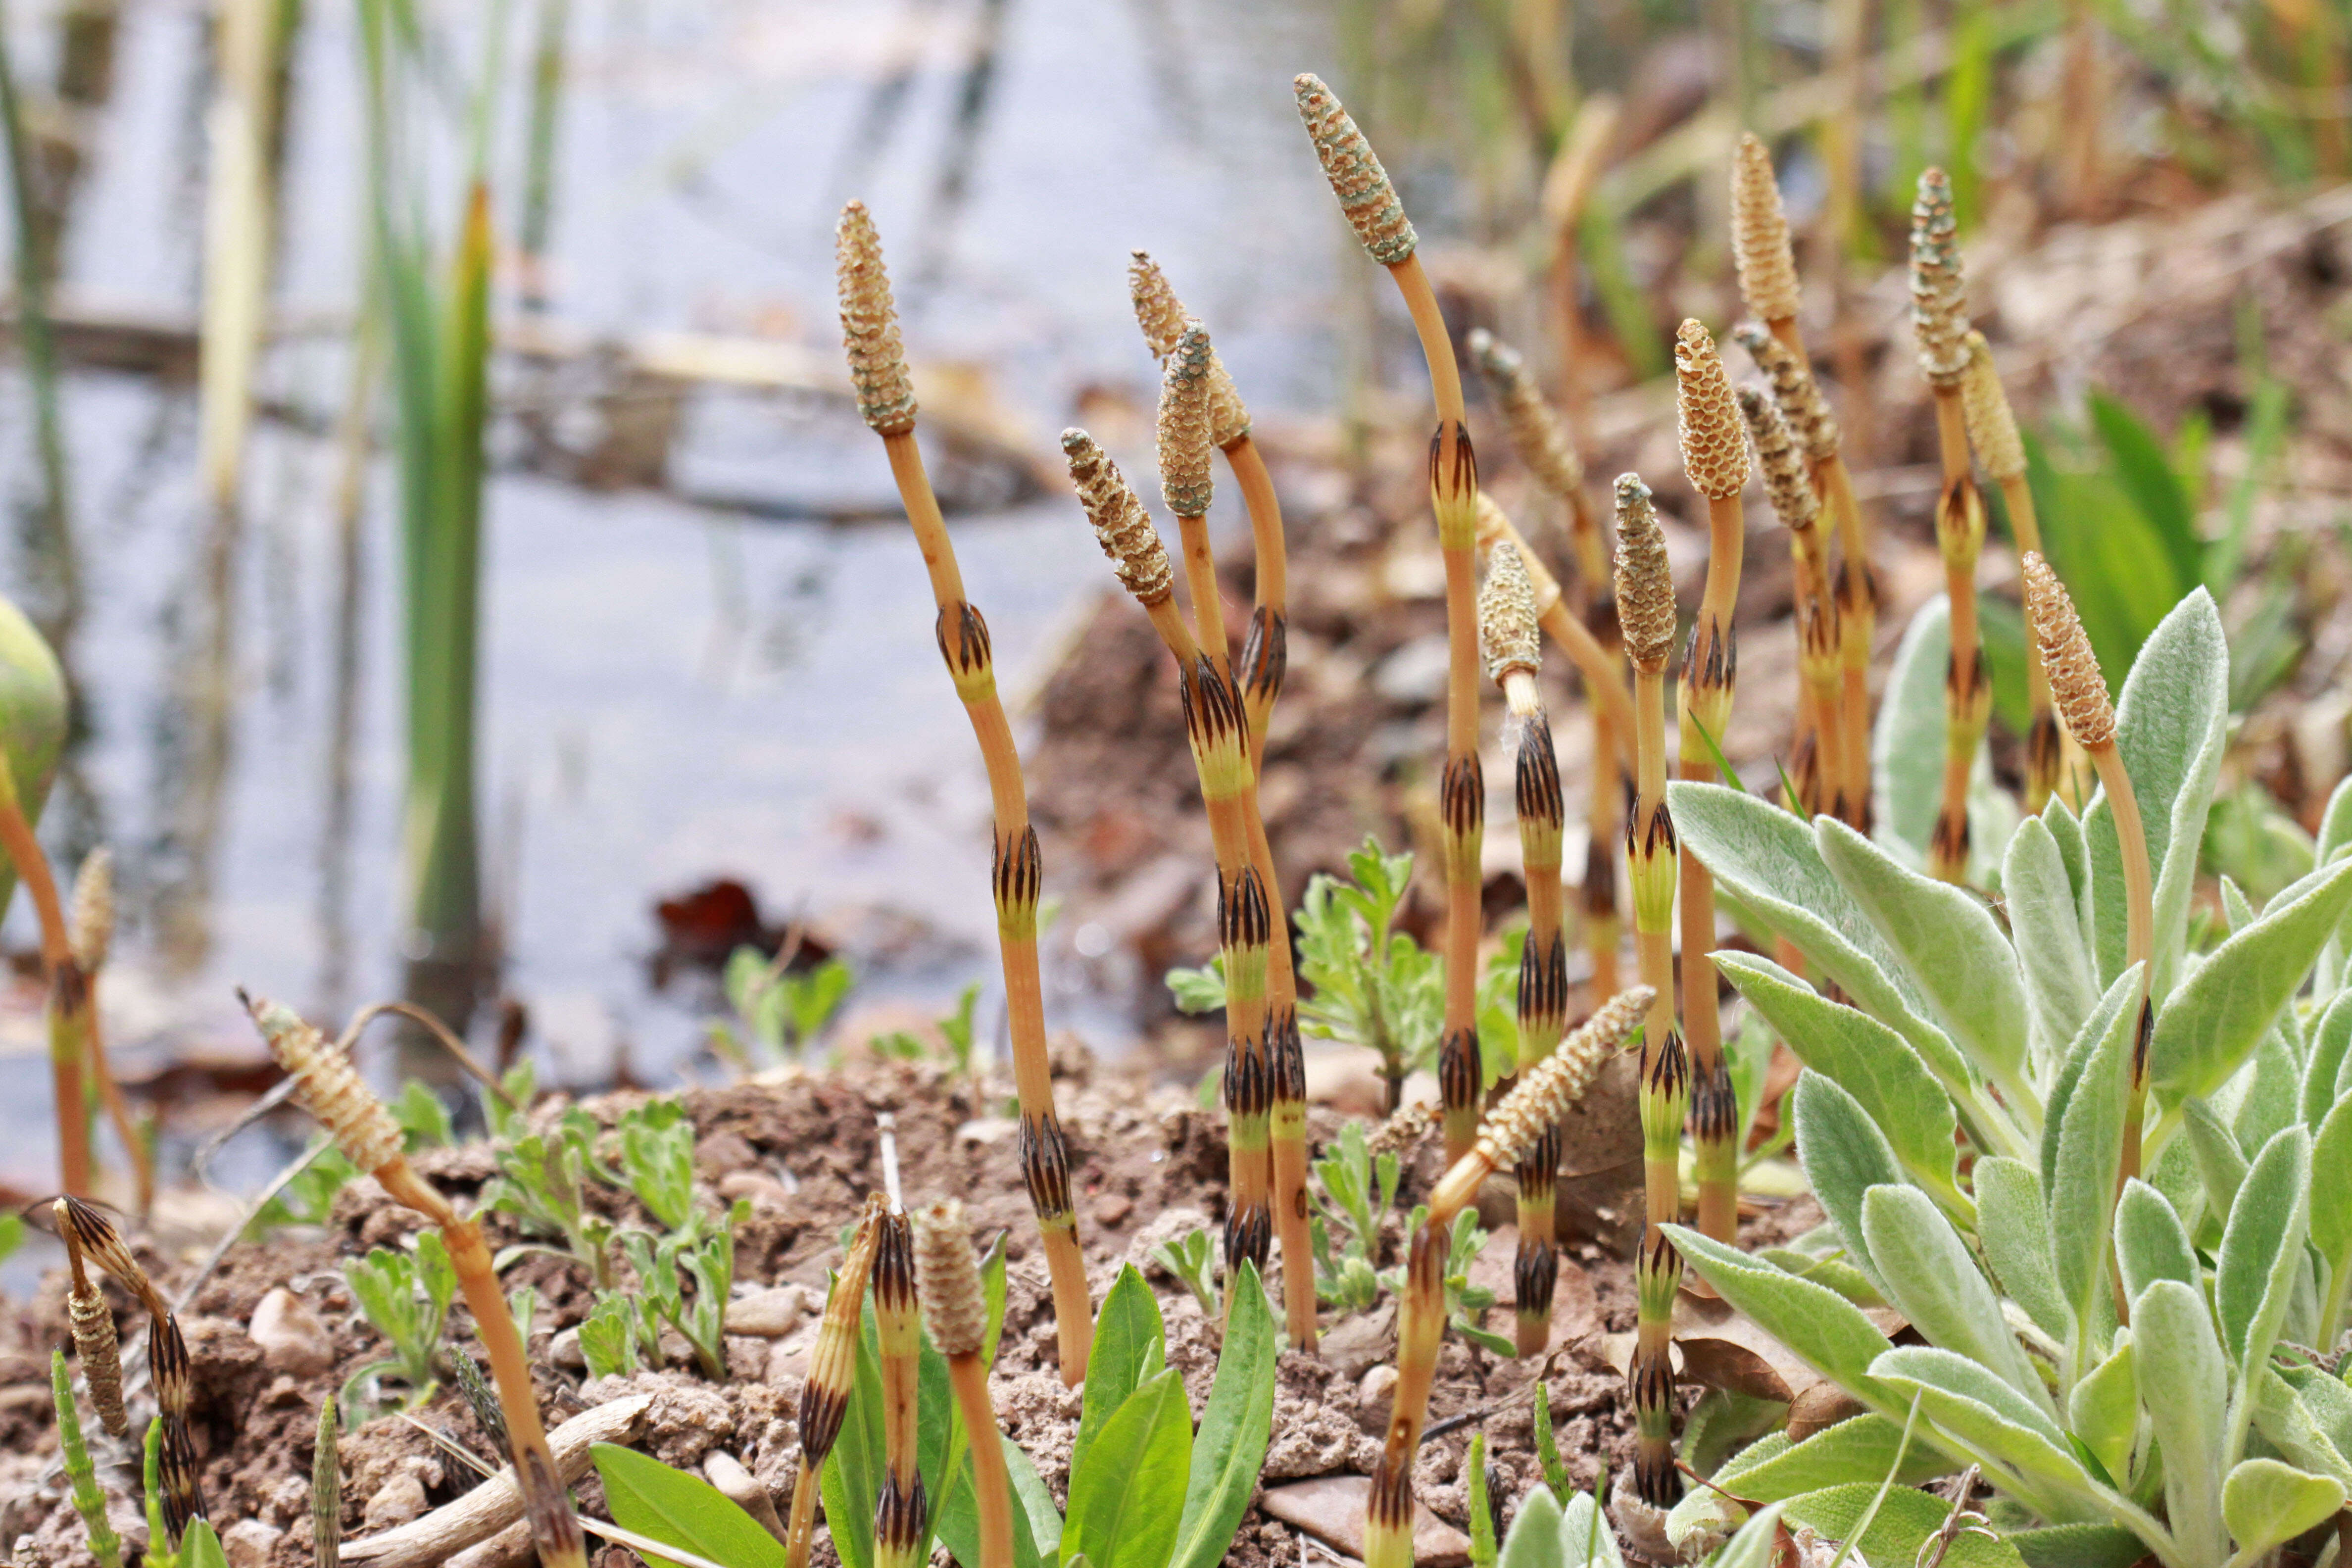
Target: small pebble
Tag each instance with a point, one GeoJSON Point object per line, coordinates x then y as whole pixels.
{"type": "Point", "coordinates": [291, 1338]}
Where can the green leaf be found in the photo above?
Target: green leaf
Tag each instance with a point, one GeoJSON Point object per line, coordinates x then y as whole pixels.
{"type": "Point", "coordinates": [2103, 1410]}
{"type": "Point", "coordinates": [1234, 1428]}
{"type": "Point", "coordinates": [1907, 747]}
{"type": "Point", "coordinates": [1586, 1541]}
{"type": "Point", "coordinates": [2078, 1546]}
{"type": "Point", "coordinates": [2269, 1090]}
{"type": "Point", "coordinates": [1766, 859]}
{"type": "Point", "coordinates": [1903, 1524]}
{"type": "Point", "coordinates": [2207, 1026]}
{"type": "Point", "coordinates": [2290, 1425]}
{"type": "Point", "coordinates": [2185, 1390]}
{"type": "Point", "coordinates": [200, 1548]}
{"type": "Point", "coordinates": [1125, 1501]}
{"type": "Point", "coordinates": [2331, 1192]}
{"type": "Point", "coordinates": [1756, 1544]}
{"type": "Point", "coordinates": [1979, 1409]}
{"type": "Point", "coordinates": [2169, 725]}
{"type": "Point", "coordinates": [2059, 989]}
{"type": "Point", "coordinates": [1128, 1325]}
{"type": "Point", "coordinates": [2331, 1044]}
{"type": "Point", "coordinates": [2090, 1145]}
{"type": "Point", "coordinates": [2265, 1502]}
{"type": "Point", "coordinates": [2221, 1162]}
{"type": "Point", "coordinates": [1868, 1060]}
{"type": "Point", "coordinates": [1947, 940]}
{"type": "Point", "coordinates": [2014, 1228]}
{"type": "Point", "coordinates": [1821, 1327]}
{"type": "Point", "coordinates": [1859, 1449]}
{"type": "Point", "coordinates": [1037, 1522]}
{"type": "Point", "coordinates": [682, 1511]}
{"type": "Point", "coordinates": [2151, 1244]}
{"type": "Point", "coordinates": [1934, 1282]}
{"type": "Point", "coordinates": [2260, 1246]}
{"type": "Point", "coordinates": [1533, 1541]}
{"type": "Point", "coordinates": [1844, 1156]}
{"type": "Point", "coordinates": [2148, 476]}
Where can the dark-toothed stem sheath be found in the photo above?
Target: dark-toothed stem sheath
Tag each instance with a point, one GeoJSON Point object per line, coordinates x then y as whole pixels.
{"type": "Point", "coordinates": [901, 1514]}
{"type": "Point", "coordinates": [832, 1377]}
{"type": "Point", "coordinates": [88, 1498]}
{"type": "Point", "coordinates": [326, 1487]}
{"type": "Point", "coordinates": [66, 1047]}
{"type": "Point", "coordinates": [95, 1340]}
{"type": "Point", "coordinates": [1992, 434]}
{"type": "Point", "coordinates": [886, 400]}
{"type": "Point", "coordinates": [1715, 456]}
{"type": "Point", "coordinates": [1645, 608]}
{"type": "Point", "coordinates": [327, 1086]}
{"type": "Point", "coordinates": [1265, 652]}
{"type": "Point", "coordinates": [2079, 692]}
{"type": "Point", "coordinates": [1513, 645]}
{"type": "Point", "coordinates": [1372, 209]}
{"type": "Point", "coordinates": [956, 1314]}
{"type": "Point", "coordinates": [1215, 728]}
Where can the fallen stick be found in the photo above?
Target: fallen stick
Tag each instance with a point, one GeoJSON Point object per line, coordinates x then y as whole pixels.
{"type": "Point", "coordinates": [497, 1502]}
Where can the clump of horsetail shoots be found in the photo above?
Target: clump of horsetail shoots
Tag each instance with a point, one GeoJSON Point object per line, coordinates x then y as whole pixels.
{"type": "Point", "coordinates": [326, 1487]}
{"type": "Point", "coordinates": [1715, 456]}
{"type": "Point", "coordinates": [1798, 396]}
{"type": "Point", "coordinates": [1265, 650]}
{"type": "Point", "coordinates": [1789, 488]}
{"type": "Point", "coordinates": [901, 1515]}
{"type": "Point", "coordinates": [1215, 727]}
{"type": "Point", "coordinates": [1645, 606]}
{"type": "Point", "coordinates": [956, 1314]}
{"type": "Point", "coordinates": [90, 936]}
{"type": "Point", "coordinates": [81, 1475]}
{"type": "Point", "coordinates": [1992, 433]}
{"type": "Point", "coordinates": [1372, 206]}
{"type": "Point", "coordinates": [1507, 626]}
{"type": "Point", "coordinates": [1759, 239]}
{"type": "Point", "coordinates": [94, 1337]}
{"type": "Point", "coordinates": [1544, 446]}
{"type": "Point", "coordinates": [2079, 692]}
{"type": "Point", "coordinates": [327, 1086]}
{"type": "Point", "coordinates": [832, 1377]}
{"type": "Point", "coordinates": [878, 366]}
{"type": "Point", "coordinates": [1526, 1117]}
{"type": "Point", "coordinates": [90, 1236]}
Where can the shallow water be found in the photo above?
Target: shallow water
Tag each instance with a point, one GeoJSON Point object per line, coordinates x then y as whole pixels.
{"type": "Point", "coordinates": [669, 690]}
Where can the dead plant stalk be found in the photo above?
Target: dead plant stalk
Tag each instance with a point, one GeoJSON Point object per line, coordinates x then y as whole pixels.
{"type": "Point", "coordinates": [886, 400]}
{"type": "Point", "coordinates": [327, 1086]}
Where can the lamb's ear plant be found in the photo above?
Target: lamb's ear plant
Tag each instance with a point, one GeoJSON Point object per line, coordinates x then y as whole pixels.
{"type": "Point", "coordinates": [885, 398]}
{"type": "Point", "coordinates": [1549, 1533]}
{"type": "Point", "coordinates": [1376, 215]}
{"type": "Point", "coordinates": [331, 1090]}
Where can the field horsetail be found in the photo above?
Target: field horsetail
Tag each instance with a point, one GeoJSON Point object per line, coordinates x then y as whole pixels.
{"type": "Point", "coordinates": [885, 398]}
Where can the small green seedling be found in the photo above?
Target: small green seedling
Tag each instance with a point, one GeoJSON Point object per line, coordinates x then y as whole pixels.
{"type": "Point", "coordinates": [1357, 1187]}
{"type": "Point", "coordinates": [1465, 1304]}
{"type": "Point", "coordinates": [955, 1034]}
{"type": "Point", "coordinates": [406, 1297]}
{"type": "Point", "coordinates": [783, 1012]}
{"type": "Point", "coordinates": [707, 1256]}
{"type": "Point", "coordinates": [1192, 1257]}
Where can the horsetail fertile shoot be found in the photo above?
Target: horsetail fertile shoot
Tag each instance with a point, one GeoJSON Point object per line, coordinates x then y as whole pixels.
{"type": "Point", "coordinates": [885, 397]}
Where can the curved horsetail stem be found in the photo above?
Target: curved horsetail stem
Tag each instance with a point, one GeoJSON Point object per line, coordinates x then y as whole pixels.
{"type": "Point", "coordinates": [901, 1514]}
{"type": "Point", "coordinates": [1714, 456]}
{"type": "Point", "coordinates": [1514, 648]}
{"type": "Point", "coordinates": [67, 1046]}
{"type": "Point", "coordinates": [878, 366]}
{"type": "Point", "coordinates": [327, 1086]}
{"type": "Point", "coordinates": [2079, 692]}
{"type": "Point", "coordinates": [1372, 209]}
